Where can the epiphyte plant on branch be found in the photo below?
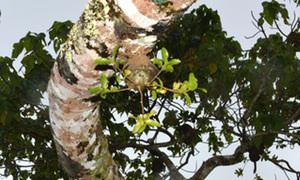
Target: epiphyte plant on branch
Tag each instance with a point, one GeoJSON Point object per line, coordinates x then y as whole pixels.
{"type": "Point", "coordinates": [142, 79]}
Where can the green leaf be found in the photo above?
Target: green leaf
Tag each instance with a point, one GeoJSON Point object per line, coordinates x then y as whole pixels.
{"type": "Point", "coordinates": [114, 89]}
{"type": "Point", "coordinates": [187, 99]}
{"type": "Point", "coordinates": [165, 54]}
{"type": "Point", "coordinates": [161, 91]}
{"type": "Point", "coordinates": [131, 116]}
{"type": "Point", "coordinates": [260, 21]}
{"type": "Point", "coordinates": [59, 33]}
{"type": "Point", "coordinates": [203, 90]}
{"type": "Point", "coordinates": [157, 61]}
{"type": "Point", "coordinates": [193, 82]}
{"type": "Point", "coordinates": [104, 81]}
{"type": "Point", "coordinates": [118, 78]}
{"type": "Point", "coordinates": [152, 123]}
{"type": "Point", "coordinates": [121, 61]}
{"type": "Point", "coordinates": [104, 61]}
{"type": "Point", "coordinates": [168, 68]}
{"type": "Point", "coordinates": [142, 128]}
{"type": "Point", "coordinates": [272, 9]}
{"type": "Point", "coordinates": [28, 62]}
{"type": "Point", "coordinates": [147, 115]}
{"type": "Point", "coordinates": [174, 62]}
{"type": "Point", "coordinates": [95, 90]}
{"type": "Point", "coordinates": [17, 49]}
{"type": "Point", "coordinates": [228, 137]}
{"type": "Point", "coordinates": [103, 93]}
{"type": "Point", "coordinates": [269, 12]}
{"type": "Point", "coordinates": [127, 72]}
{"type": "Point", "coordinates": [136, 128]}
{"type": "Point", "coordinates": [153, 94]}
{"type": "Point", "coordinates": [176, 85]}
{"type": "Point", "coordinates": [239, 172]}
{"type": "Point", "coordinates": [115, 52]}
{"type": "Point", "coordinates": [160, 82]}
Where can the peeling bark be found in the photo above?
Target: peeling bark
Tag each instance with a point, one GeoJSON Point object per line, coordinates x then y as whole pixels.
{"type": "Point", "coordinates": [81, 145]}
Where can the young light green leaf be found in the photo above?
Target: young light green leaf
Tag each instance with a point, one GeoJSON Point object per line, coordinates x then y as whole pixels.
{"type": "Point", "coordinates": [131, 116]}
{"type": "Point", "coordinates": [168, 68]}
{"type": "Point", "coordinates": [187, 99]}
{"type": "Point", "coordinates": [136, 128]}
{"type": "Point", "coordinates": [118, 78]}
{"type": "Point", "coordinates": [104, 81]}
{"type": "Point", "coordinates": [184, 87]}
{"type": "Point", "coordinates": [154, 85]}
{"type": "Point", "coordinates": [152, 123]}
{"type": "Point", "coordinates": [121, 61]}
{"type": "Point", "coordinates": [151, 113]}
{"type": "Point", "coordinates": [104, 61]}
{"type": "Point", "coordinates": [115, 52]}
{"type": "Point", "coordinates": [174, 62]}
{"type": "Point", "coordinates": [160, 82]}
{"type": "Point", "coordinates": [127, 72]}
{"type": "Point", "coordinates": [203, 90]}
{"type": "Point", "coordinates": [95, 90]}
{"type": "Point", "coordinates": [161, 91]}
{"type": "Point", "coordinates": [157, 62]}
{"type": "Point", "coordinates": [153, 94]}
{"type": "Point", "coordinates": [103, 93]}
{"type": "Point", "coordinates": [176, 85]}
{"type": "Point", "coordinates": [193, 82]}
{"type": "Point", "coordinates": [175, 96]}
{"type": "Point", "coordinates": [165, 54]}
{"type": "Point", "coordinates": [147, 115]}
{"type": "Point", "coordinates": [114, 89]}
{"type": "Point", "coordinates": [142, 128]}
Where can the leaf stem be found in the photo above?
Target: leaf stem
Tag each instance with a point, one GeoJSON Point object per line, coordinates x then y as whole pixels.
{"type": "Point", "coordinates": [141, 100]}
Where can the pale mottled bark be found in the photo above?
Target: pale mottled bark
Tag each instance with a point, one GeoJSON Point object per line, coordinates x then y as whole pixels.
{"type": "Point", "coordinates": [80, 143]}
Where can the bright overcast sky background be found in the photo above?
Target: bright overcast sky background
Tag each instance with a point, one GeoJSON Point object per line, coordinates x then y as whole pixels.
{"type": "Point", "coordinates": [18, 17]}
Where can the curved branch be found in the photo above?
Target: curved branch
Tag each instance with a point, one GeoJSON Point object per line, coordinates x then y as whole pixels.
{"type": "Point", "coordinates": [279, 29]}
{"type": "Point", "coordinates": [286, 167]}
{"type": "Point", "coordinates": [220, 160]}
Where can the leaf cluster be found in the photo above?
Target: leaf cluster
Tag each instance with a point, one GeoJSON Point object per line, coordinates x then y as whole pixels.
{"type": "Point", "coordinates": [26, 145]}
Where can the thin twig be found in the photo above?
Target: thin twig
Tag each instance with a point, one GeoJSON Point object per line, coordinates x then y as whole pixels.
{"type": "Point", "coordinates": [294, 116]}
{"type": "Point", "coordinates": [288, 168]}
{"type": "Point", "coordinates": [277, 26]}
{"type": "Point", "coordinates": [186, 161]}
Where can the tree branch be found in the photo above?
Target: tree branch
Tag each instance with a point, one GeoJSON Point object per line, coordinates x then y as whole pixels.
{"type": "Point", "coordinates": [174, 173]}
{"type": "Point", "coordinates": [153, 149]}
{"type": "Point", "coordinates": [287, 166]}
{"type": "Point", "coordinates": [81, 145]}
{"type": "Point", "coordinates": [294, 116]}
{"type": "Point", "coordinates": [220, 160]}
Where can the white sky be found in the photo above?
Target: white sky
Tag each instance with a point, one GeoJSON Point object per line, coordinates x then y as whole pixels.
{"type": "Point", "coordinates": [19, 17]}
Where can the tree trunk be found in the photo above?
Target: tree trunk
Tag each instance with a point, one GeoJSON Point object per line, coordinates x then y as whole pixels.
{"type": "Point", "coordinates": [131, 24]}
